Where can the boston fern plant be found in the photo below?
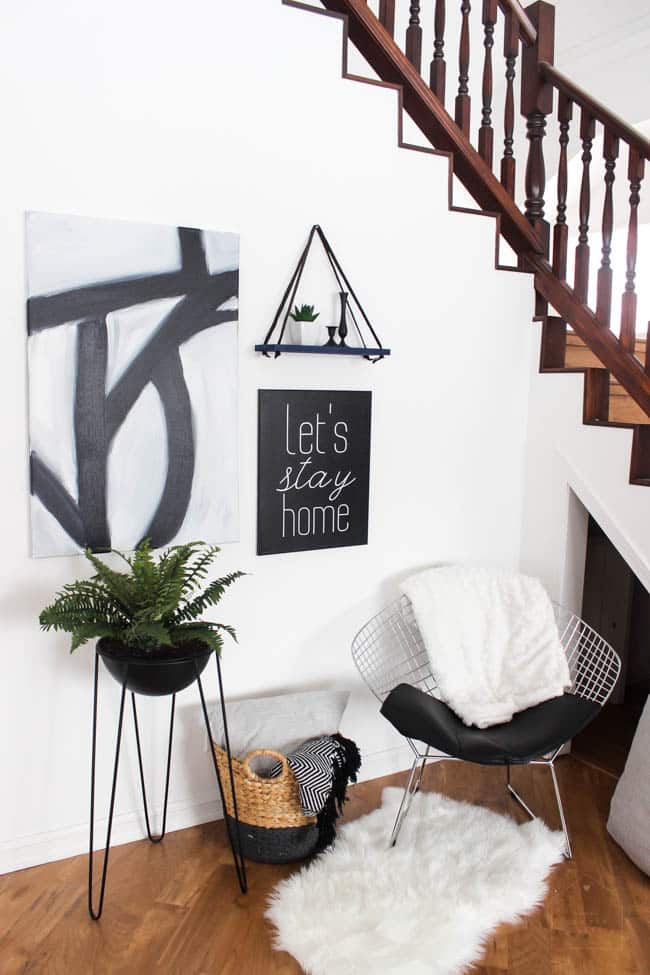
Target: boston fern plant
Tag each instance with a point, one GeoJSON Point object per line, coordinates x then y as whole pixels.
{"type": "Point", "coordinates": [154, 604]}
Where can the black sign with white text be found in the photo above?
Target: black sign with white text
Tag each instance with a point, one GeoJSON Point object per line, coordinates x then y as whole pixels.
{"type": "Point", "coordinates": [313, 469]}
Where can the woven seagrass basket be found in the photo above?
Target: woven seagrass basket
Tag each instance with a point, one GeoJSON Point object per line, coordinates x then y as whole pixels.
{"type": "Point", "coordinates": [272, 825]}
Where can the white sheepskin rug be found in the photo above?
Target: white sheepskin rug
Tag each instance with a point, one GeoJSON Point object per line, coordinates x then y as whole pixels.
{"type": "Point", "coordinates": [424, 907]}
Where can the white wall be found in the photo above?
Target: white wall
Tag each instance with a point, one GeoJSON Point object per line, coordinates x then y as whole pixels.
{"type": "Point", "coordinates": [234, 116]}
{"type": "Point", "coordinates": [572, 469]}
{"type": "Point", "coordinates": [604, 48]}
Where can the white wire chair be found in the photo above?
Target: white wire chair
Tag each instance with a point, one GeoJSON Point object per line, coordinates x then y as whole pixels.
{"type": "Point", "coordinates": [388, 650]}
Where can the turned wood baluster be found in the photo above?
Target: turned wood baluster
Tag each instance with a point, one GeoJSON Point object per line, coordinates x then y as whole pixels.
{"type": "Point", "coordinates": [510, 52]}
{"type": "Point", "coordinates": [486, 132]}
{"type": "Point", "coordinates": [463, 101]}
{"type": "Point", "coordinates": [438, 69]}
{"type": "Point", "coordinates": [604, 282]}
{"type": "Point", "coordinates": [561, 229]}
{"type": "Point", "coordinates": [387, 15]}
{"type": "Point", "coordinates": [414, 37]}
{"type": "Point", "coordinates": [635, 172]}
{"type": "Point", "coordinates": [587, 131]}
{"type": "Point", "coordinates": [536, 175]}
{"type": "Point", "coordinates": [536, 104]}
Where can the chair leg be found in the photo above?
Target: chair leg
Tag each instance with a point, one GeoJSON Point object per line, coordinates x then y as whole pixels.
{"type": "Point", "coordinates": [411, 788]}
{"type": "Point", "coordinates": [515, 795]}
{"type": "Point", "coordinates": [558, 798]}
{"type": "Point", "coordinates": [568, 852]}
{"type": "Point", "coordinates": [421, 772]}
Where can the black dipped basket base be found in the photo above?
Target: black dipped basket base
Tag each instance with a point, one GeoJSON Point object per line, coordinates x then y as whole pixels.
{"type": "Point", "coordinates": [285, 844]}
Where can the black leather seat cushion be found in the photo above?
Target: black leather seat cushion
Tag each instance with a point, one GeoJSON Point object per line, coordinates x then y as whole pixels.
{"type": "Point", "coordinates": [529, 735]}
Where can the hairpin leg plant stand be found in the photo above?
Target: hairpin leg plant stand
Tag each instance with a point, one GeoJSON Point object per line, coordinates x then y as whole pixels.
{"type": "Point", "coordinates": [231, 827]}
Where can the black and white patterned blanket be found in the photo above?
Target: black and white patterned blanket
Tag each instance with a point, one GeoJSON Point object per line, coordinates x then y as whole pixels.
{"type": "Point", "coordinates": [323, 768]}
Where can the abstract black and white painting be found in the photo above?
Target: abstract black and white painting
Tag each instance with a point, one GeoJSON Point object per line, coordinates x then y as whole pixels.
{"type": "Point", "coordinates": [132, 351]}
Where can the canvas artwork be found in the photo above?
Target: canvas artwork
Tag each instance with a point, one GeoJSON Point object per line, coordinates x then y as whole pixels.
{"type": "Point", "coordinates": [313, 469]}
{"type": "Point", "coordinates": [132, 351]}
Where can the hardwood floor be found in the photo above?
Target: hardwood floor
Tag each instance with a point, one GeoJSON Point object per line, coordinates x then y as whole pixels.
{"type": "Point", "coordinates": [174, 908]}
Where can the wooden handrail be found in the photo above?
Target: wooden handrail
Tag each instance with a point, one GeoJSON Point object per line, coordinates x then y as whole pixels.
{"type": "Point", "coordinates": [527, 30]}
{"type": "Point", "coordinates": [388, 60]}
{"type": "Point", "coordinates": [594, 108]}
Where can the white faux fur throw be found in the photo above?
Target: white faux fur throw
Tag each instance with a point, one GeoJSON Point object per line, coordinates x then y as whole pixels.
{"type": "Point", "coordinates": [491, 638]}
{"type": "Point", "coordinates": [425, 907]}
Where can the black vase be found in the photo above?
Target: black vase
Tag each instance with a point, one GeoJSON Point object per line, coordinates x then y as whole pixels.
{"type": "Point", "coordinates": [343, 324]}
{"type": "Point", "coordinates": [166, 670]}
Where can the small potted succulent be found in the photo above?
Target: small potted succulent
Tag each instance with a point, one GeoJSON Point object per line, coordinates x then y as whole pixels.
{"type": "Point", "coordinates": [148, 618]}
{"type": "Point", "coordinates": [304, 330]}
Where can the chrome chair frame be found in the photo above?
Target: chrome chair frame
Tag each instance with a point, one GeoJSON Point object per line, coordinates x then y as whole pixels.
{"type": "Point", "coordinates": [389, 650]}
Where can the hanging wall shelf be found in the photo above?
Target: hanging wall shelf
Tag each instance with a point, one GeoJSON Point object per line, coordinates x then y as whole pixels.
{"type": "Point", "coordinates": [338, 334]}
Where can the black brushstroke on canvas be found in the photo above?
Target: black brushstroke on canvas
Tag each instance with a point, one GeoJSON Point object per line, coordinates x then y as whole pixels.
{"type": "Point", "coordinates": [91, 445]}
{"type": "Point", "coordinates": [189, 317]}
{"type": "Point", "coordinates": [193, 259]}
{"type": "Point", "coordinates": [98, 416]}
{"type": "Point", "coordinates": [168, 380]}
{"type": "Point", "coordinates": [59, 502]}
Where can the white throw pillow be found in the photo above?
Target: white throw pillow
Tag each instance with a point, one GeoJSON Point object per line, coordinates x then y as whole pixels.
{"type": "Point", "coordinates": [281, 722]}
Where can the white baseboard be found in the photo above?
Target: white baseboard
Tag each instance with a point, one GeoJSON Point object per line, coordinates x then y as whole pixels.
{"type": "Point", "coordinates": [57, 844]}
{"type": "Point", "coordinates": [377, 764]}
{"type": "Point", "coordinates": [29, 851]}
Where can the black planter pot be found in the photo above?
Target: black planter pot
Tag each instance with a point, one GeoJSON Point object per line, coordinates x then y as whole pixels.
{"type": "Point", "coordinates": [166, 671]}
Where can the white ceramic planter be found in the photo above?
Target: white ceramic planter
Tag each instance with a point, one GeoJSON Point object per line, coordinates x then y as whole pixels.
{"type": "Point", "coordinates": [306, 333]}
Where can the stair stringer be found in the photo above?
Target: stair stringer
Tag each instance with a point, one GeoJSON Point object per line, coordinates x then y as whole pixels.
{"type": "Point", "coordinates": [639, 469]}
{"type": "Point", "coordinates": [401, 142]}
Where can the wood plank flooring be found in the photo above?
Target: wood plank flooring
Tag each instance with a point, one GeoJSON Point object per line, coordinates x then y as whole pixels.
{"type": "Point", "coordinates": [175, 908]}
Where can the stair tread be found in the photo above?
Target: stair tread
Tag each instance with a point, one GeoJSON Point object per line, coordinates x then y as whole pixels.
{"type": "Point", "coordinates": [622, 408]}
{"type": "Point", "coordinates": [579, 355]}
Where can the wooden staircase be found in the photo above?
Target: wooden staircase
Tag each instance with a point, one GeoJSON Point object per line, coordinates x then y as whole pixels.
{"type": "Point", "coordinates": [578, 357]}
{"type": "Point", "coordinates": [576, 337]}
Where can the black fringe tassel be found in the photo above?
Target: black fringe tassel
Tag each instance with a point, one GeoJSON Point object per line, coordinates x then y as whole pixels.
{"type": "Point", "coordinates": [347, 763]}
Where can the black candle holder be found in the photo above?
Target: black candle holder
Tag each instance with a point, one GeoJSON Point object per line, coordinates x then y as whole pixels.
{"type": "Point", "coordinates": [331, 332]}
{"type": "Point", "coordinates": [343, 325]}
